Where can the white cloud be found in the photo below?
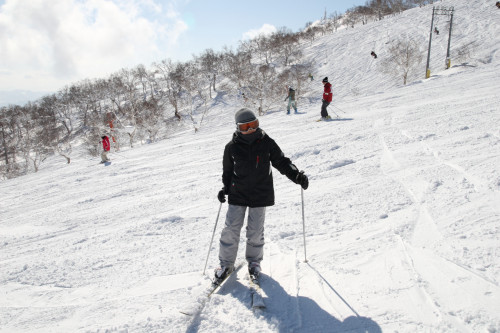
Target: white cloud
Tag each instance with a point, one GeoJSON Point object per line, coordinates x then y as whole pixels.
{"type": "Point", "coordinates": [59, 41]}
{"type": "Point", "coordinates": [265, 30]}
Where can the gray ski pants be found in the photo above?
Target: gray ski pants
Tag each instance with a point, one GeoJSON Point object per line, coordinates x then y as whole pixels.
{"type": "Point", "coordinates": [291, 103]}
{"type": "Point", "coordinates": [104, 156]}
{"type": "Point", "coordinates": [230, 236]}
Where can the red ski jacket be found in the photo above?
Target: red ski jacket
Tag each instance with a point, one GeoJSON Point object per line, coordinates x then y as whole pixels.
{"type": "Point", "coordinates": [327, 94]}
{"type": "Point", "coordinates": [105, 144]}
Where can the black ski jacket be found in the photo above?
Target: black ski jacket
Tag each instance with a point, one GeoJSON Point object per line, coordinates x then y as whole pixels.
{"type": "Point", "coordinates": [247, 173]}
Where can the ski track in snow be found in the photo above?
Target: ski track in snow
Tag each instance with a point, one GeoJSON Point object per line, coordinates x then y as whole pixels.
{"type": "Point", "coordinates": [424, 231]}
{"type": "Point", "coordinates": [401, 215]}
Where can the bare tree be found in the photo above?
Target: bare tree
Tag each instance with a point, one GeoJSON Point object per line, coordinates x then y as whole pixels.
{"type": "Point", "coordinates": [350, 18]}
{"type": "Point", "coordinates": [8, 120]}
{"type": "Point", "coordinates": [4, 152]}
{"type": "Point", "coordinates": [56, 113]}
{"type": "Point", "coordinates": [335, 20]}
{"type": "Point", "coordinates": [87, 102]}
{"type": "Point", "coordinates": [206, 65]}
{"type": "Point", "coordinates": [262, 87]}
{"type": "Point", "coordinates": [63, 109]}
{"type": "Point", "coordinates": [210, 64]}
{"type": "Point", "coordinates": [404, 58]}
{"type": "Point", "coordinates": [259, 47]}
{"type": "Point", "coordinates": [286, 43]}
{"type": "Point", "coordinates": [96, 101]}
{"type": "Point", "coordinates": [132, 106]}
{"type": "Point", "coordinates": [290, 48]}
{"type": "Point", "coordinates": [308, 34]}
{"type": "Point", "coordinates": [151, 119]}
{"type": "Point", "coordinates": [170, 86]}
{"type": "Point", "coordinates": [380, 8]}
{"type": "Point", "coordinates": [399, 6]}
{"type": "Point", "coordinates": [38, 134]}
{"type": "Point", "coordinates": [237, 66]}
{"type": "Point", "coordinates": [197, 90]}
{"type": "Point", "coordinates": [12, 142]}
{"type": "Point", "coordinates": [297, 76]}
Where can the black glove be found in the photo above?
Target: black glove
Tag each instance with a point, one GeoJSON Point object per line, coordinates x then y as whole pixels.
{"type": "Point", "coordinates": [302, 180]}
{"type": "Point", "coordinates": [221, 196]}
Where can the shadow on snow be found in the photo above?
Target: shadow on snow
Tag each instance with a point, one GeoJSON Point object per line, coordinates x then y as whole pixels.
{"type": "Point", "coordinates": [301, 314]}
{"type": "Point", "coordinates": [288, 313]}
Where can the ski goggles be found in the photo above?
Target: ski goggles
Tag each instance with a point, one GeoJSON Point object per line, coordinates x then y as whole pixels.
{"type": "Point", "coordinates": [245, 127]}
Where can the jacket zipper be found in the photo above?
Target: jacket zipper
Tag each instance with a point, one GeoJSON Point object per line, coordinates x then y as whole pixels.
{"type": "Point", "coordinates": [257, 165]}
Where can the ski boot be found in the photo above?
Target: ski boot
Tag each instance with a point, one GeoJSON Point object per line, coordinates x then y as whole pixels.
{"type": "Point", "coordinates": [221, 274]}
{"type": "Point", "coordinates": [254, 269]}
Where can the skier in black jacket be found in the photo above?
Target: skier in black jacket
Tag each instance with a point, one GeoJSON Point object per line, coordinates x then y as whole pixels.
{"type": "Point", "coordinates": [248, 182]}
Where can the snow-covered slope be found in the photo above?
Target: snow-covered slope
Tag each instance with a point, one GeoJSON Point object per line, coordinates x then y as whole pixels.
{"type": "Point", "coordinates": [401, 215]}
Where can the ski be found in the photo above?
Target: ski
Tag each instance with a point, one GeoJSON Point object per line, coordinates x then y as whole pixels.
{"type": "Point", "coordinates": [327, 119]}
{"type": "Point", "coordinates": [216, 285]}
{"type": "Point", "coordinates": [204, 296]}
{"type": "Point", "coordinates": [256, 292]}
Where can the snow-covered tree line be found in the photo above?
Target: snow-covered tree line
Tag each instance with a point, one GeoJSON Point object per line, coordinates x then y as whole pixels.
{"type": "Point", "coordinates": [142, 104]}
{"type": "Point", "coordinates": [372, 10]}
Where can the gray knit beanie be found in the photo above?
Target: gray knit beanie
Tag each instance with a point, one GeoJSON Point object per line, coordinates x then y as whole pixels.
{"type": "Point", "coordinates": [244, 116]}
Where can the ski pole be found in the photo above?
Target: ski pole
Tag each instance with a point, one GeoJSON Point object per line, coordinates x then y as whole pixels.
{"type": "Point", "coordinates": [210, 247]}
{"type": "Point", "coordinates": [339, 108]}
{"type": "Point", "coordinates": [303, 223]}
{"type": "Point", "coordinates": [115, 152]}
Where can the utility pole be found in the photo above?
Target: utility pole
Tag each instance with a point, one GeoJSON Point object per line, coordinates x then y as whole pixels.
{"type": "Point", "coordinates": [439, 11]}
{"type": "Point", "coordinates": [427, 69]}
{"type": "Point", "coordinates": [448, 60]}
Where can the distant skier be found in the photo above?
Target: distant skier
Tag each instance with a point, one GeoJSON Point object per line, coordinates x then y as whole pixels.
{"type": "Point", "coordinates": [106, 146]}
{"type": "Point", "coordinates": [327, 98]}
{"type": "Point", "coordinates": [374, 55]}
{"type": "Point", "coordinates": [291, 100]}
{"type": "Point", "coordinates": [436, 31]}
{"type": "Point", "coordinates": [248, 182]}
{"type": "Point", "coordinates": [310, 76]}
{"type": "Point", "coordinates": [498, 4]}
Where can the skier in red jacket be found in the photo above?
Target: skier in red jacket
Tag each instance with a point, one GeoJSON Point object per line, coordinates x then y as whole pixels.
{"type": "Point", "coordinates": [106, 146]}
{"type": "Point", "coordinates": [327, 98]}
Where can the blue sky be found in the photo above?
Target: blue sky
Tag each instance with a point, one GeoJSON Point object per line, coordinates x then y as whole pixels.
{"type": "Point", "coordinates": [213, 24]}
{"type": "Point", "coordinates": [47, 44]}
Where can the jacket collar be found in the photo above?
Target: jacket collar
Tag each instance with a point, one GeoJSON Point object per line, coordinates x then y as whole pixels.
{"type": "Point", "coordinates": [248, 138]}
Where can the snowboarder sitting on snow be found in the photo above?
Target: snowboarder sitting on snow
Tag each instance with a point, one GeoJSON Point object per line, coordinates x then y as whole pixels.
{"type": "Point", "coordinates": [106, 146]}
{"type": "Point", "coordinates": [248, 183]}
{"type": "Point", "coordinates": [327, 98]}
{"type": "Point", "coordinates": [374, 55]}
{"type": "Point", "coordinates": [291, 100]}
